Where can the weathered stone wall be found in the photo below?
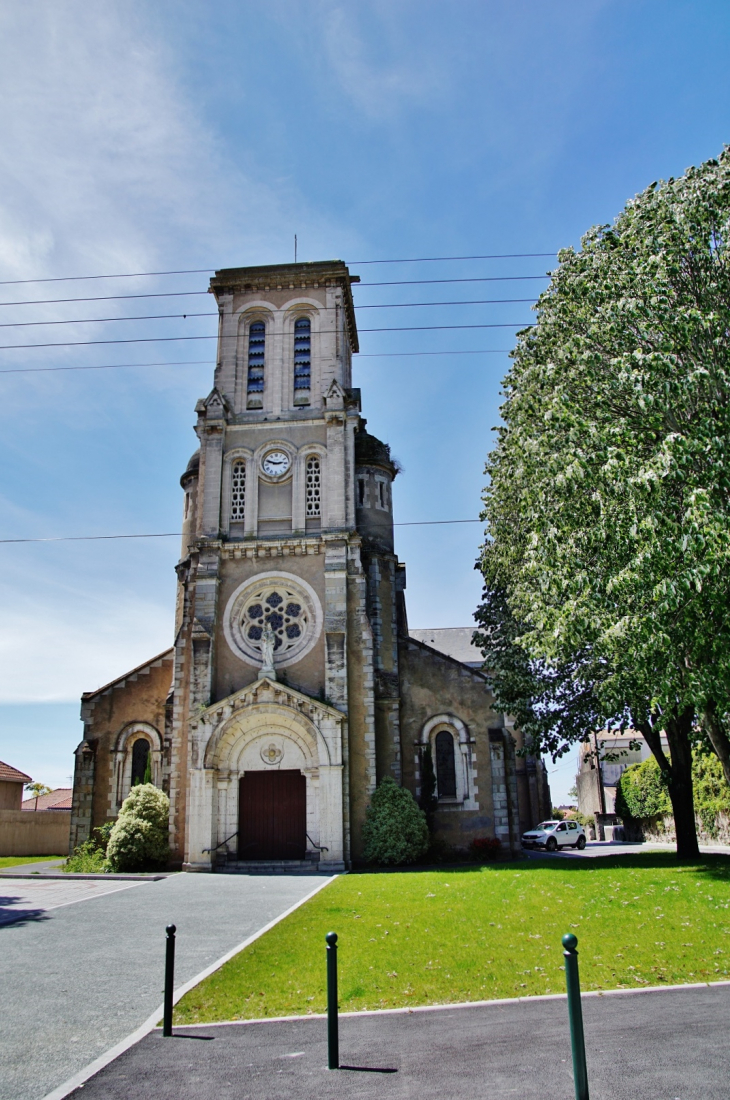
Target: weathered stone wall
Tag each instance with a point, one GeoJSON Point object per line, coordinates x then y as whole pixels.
{"type": "Point", "coordinates": [432, 685]}
{"type": "Point", "coordinates": [25, 833]}
{"type": "Point", "coordinates": [139, 697]}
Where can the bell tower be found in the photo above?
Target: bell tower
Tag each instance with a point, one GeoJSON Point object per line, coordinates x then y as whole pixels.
{"type": "Point", "coordinates": [270, 521]}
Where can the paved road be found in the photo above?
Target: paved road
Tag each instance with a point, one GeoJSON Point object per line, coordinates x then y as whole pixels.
{"type": "Point", "coordinates": [81, 974]}
{"type": "Point", "coordinates": [595, 849]}
{"type": "Point", "coordinates": [666, 1045]}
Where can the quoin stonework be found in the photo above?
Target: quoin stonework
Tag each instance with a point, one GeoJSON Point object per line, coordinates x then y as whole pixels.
{"type": "Point", "coordinates": [293, 684]}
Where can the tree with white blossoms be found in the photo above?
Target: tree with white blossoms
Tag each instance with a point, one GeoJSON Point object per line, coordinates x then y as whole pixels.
{"type": "Point", "coordinates": [608, 505]}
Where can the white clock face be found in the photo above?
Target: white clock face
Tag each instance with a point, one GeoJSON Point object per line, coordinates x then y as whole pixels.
{"type": "Point", "coordinates": [276, 463]}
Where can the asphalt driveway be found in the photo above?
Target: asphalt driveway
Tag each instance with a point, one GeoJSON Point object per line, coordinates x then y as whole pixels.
{"type": "Point", "coordinates": [641, 1045]}
{"type": "Point", "coordinates": [82, 962]}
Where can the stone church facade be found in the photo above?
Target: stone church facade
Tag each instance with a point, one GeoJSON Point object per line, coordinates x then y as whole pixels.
{"type": "Point", "coordinates": [293, 685]}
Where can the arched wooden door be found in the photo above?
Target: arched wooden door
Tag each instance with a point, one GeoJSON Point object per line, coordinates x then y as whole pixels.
{"type": "Point", "coordinates": [272, 815]}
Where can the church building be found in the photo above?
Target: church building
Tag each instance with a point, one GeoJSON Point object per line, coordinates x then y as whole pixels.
{"type": "Point", "coordinates": [293, 685]}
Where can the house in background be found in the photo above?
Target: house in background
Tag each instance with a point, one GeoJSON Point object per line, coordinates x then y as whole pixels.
{"type": "Point", "coordinates": [60, 799]}
{"type": "Point", "coordinates": [597, 785]}
{"type": "Point", "coordinates": [32, 834]}
{"type": "Point", "coordinates": [12, 782]}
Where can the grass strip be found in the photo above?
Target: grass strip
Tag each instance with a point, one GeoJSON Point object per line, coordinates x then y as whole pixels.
{"type": "Point", "coordinates": [436, 937]}
{"type": "Point", "coordinates": [20, 861]}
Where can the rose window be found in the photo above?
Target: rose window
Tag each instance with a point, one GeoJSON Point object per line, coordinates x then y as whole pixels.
{"type": "Point", "coordinates": [287, 607]}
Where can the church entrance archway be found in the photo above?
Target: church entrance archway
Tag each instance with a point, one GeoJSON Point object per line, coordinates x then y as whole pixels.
{"type": "Point", "coordinates": [272, 815]}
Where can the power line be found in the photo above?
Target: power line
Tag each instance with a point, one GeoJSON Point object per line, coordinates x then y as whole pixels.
{"type": "Point", "coordinates": [106, 366]}
{"type": "Point", "coordinates": [234, 336]}
{"type": "Point", "coordinates": [207, 362]}
{"type": "Point", "coordinates": [207, 270]}
{"type": "Point", "coordinates": [194, 293]}
{"type": "Point", "coordinates": [184, 316]}
{"type": "Point", "coordinates": [105, 298]}
{"type": "Point", "coordinates": [444, 259]}
{"type": "Point", "coordinates": [178, 534]}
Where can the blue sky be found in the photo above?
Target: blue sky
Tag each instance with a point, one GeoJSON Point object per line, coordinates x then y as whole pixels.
{"type": "Point", "coordinates": [185, 135]}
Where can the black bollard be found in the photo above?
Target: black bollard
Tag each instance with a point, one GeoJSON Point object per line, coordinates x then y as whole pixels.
{"type": "Point", "coordinates": [333, 1040]}
{"type": "Point", "coordinates": [169, 980]}
{"type": "Point", "coordinates": [575, 1014]}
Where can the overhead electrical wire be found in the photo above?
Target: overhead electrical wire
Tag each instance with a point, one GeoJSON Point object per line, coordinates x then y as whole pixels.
{"type": "Point", "coordinates": [207, 362]}
{"type": "Point", "coordinates": [207, 270]}
{"type": "Point", "coordinates": [184, 316]}
{"type": "Point", "coordinates": [194, 293]}
{"type": "Point", "coordinates": [178, 534]}
{"type": "Point", "coordinates": [179, 339]}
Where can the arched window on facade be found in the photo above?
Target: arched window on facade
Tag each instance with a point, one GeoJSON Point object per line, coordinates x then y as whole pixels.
{"type": "Point", "coordinates": [445, 765]}
{"type": "Point", "coordinates": [256, 357]}
{"type": "Point", "coordinates": [140, 756]}
{"type": "Point", "coordinates": [302, 360]}
{"type": "Point", "coordinates": [314, 488]}
{"type": "Point", "coordinates": [238, 491]}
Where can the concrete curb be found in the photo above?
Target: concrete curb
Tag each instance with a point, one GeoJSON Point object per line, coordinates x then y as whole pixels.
{"type": "Point", "coordinates": [408, 1010]}
{"type": "Point", "coordinates": [152, 1021]}
{"type": "Point", "coordinates": [70, 876]}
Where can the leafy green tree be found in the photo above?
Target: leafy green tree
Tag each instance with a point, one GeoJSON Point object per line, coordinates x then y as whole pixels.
{"type": "Point", "coordinates": [37, 790]}
{"type": "Point", "coordinates": [147, 778]}
{"type": "Point", "coordinates": [395, 829]}
{"type": "Point", "coordinates": [139, 839]}
{"type": "Point", "coordinates": [641, 791]}
{"type": "Point", "coordinates": [608, 507]}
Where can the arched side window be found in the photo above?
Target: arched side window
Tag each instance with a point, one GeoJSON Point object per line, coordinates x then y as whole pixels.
{"type": "Point", "coordinates": [314, 487]}
{"type": "Point", "coordinates": [140, 756]}
{"type": "Point", "coordinates": [445, 765]}
{"type": "Point", "coordinates": [302, 360]}
{"type": "Point", "coordinates": [256, 358]}
{"type": "Point", "coordinates": [454, 761]}
{"type": "Point", "coordinates": [238, 491]}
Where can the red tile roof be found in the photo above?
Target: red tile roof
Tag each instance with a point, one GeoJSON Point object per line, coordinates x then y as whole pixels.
{"type": "Point", "coordinates": [12, 775]}
{"type": "Point", "coordinates": [60, 799]}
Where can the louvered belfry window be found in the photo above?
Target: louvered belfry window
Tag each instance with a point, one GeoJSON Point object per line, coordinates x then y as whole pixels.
{"type": "Point", "coordinates": [314, 487]}
{"type": "Point", "coordinates": [256, 356]}
{"type": "Point", "coordinates": [238, 491]}
{"type": "Point", "coordinates": [302, 360]}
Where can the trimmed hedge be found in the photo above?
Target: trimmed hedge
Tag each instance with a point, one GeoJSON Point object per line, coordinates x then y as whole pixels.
{"type": "Point", "coordinates": [395, 829]}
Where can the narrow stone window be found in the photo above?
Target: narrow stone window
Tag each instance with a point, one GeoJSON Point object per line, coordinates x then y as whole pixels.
{"type": "Point", "coordinates": [256, 356]}
{"type": "Point", "coordinates": [140, 756]}
{"type": "Point", "coordinates": [238, 491]}
{"type": "Point", "coordinates": [381, 494]}
{"type": "Point", "coordinates": [314, 487]}
{"type": "Point", "coordinates": [361, 492]}
{"type": "Point", "coordinates": [302, 360]}
{"type": "Point", "coordinates": [445, 765]}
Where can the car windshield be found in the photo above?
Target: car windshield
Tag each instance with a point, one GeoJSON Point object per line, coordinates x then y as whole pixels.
{"type": "Point", "coordinates": [547, 825]}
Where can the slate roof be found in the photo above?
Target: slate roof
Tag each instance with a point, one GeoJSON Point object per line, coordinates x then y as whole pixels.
{"type": "Point", "coordinates": [12, 775]}
{"type": "Point", "coordinates": [60, 799]}
{"type": "Point", "coordinates": [454, 641]}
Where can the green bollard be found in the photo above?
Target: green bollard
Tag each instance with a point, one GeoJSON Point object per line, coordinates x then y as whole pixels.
{"type": "Point", "coordinates": [169, 980]}
{"type": "Point", "coordinates": [333, 1040]}
{"type": "Point", "coordinates": [575, 1014]}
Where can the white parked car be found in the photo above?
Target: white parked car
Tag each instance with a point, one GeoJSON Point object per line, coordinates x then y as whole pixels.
{"type": "Point", "coordinates": [552, 835]}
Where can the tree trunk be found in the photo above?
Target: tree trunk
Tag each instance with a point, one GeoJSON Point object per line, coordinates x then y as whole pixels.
{"type": "Point", "coordinates": [678, 773]}
{"type": "Point", "coordinates": [715, 730]}
{"type": "Point", "coordinates": [678, 730]}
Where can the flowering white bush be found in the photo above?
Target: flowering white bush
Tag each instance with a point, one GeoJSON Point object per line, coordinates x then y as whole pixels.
{"type": "Point", "coordinates": [139, 840]}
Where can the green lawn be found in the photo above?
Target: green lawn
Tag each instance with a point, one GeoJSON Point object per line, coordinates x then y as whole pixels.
{"type": "Point", "coordinates": [19, 861]}
{"type": "Point", "coordinates": [431, 937]}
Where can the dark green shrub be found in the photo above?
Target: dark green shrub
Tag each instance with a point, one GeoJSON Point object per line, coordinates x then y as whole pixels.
{"type": "Point", "coordinates": [641, 791]}
{"type": "Point", "coordinates": [711, 791]}
{"type": "Point", "coordinates": [139, 840]}
{"type": "Point", "coordinates": [90, 857]}
{"type": "Point", "coordinates": [395, 829]}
